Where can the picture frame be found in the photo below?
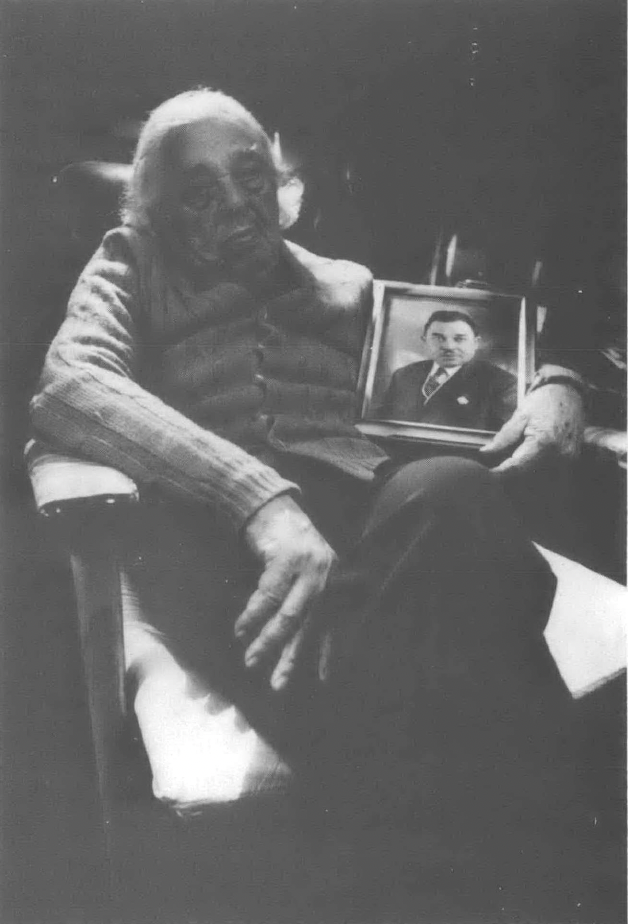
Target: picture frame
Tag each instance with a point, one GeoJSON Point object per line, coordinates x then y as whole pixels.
{"type": "Point", "coordinates": [481, 386]}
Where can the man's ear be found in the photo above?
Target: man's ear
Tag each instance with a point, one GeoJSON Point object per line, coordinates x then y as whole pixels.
{"type": "Point", "coordinates": [290, 187]}
{"type": "Point", "coordinates": [290, 198]}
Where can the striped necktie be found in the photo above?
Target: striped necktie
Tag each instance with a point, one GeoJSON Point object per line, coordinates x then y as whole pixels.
{"type": "Point", "coordinates": [433, 382]}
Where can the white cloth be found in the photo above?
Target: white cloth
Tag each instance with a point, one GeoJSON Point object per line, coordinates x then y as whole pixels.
{"type": "Point", "coordinates": [201, 749]}
{"type": "Point", "coordinates": [586, 630]}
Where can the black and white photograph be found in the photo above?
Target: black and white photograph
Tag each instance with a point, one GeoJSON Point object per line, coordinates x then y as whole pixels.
{"type": "Point", "coordinates": [313, 459]}
{"type": "Point", "coordinates": [446, 359]}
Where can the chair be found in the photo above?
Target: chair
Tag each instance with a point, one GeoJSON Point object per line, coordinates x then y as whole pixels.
{"type": "Point", "coordinates": [91, 507]}
{"type": "Point", "coordinates": [234, 810]}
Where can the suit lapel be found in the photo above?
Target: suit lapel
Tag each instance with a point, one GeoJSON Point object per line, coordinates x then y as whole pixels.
{"type": "Point", "coordinates": [459, 383]}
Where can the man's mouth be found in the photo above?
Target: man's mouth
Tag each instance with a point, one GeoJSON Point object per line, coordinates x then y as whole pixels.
{"type": "Point", "coordinates": [240, 241]}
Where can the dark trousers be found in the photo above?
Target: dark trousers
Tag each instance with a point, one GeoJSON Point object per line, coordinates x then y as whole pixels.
{"type": "Point", "coordinates": [441, 695]}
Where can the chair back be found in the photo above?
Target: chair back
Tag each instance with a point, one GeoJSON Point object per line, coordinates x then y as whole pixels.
{"type": "Point", "coordinates": [89, 197]}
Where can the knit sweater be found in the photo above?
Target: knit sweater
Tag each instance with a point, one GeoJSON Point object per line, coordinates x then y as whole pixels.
{"type": "Point", "coordinates": [198, 391]}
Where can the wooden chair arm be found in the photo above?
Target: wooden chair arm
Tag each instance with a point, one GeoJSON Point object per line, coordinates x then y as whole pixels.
{"type": "Point", "coordinates": [65, 486]}
{"type": "Point", "coordinates": [88, 506]}
{"type": "Point", "coordinates": [97, 573]}
{"type": "Point", "coordinates": [76, 509]}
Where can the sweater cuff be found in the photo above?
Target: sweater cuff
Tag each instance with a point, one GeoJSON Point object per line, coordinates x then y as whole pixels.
{"type": "Point", "coordinates": [559, 375]}
{"type": "Point", "coordinates": [253, 488]}
{"type": "Point", "coordinates": [293, 490]}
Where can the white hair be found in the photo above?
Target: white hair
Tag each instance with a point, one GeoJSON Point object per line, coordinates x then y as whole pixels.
{"type": "Point", "coordinates": [145, 186]}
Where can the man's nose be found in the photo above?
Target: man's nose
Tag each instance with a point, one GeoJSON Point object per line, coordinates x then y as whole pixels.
{"type": "Point", "coordinates": [233, 197]}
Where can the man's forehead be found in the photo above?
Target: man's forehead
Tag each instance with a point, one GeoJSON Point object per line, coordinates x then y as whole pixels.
{"type": "Point", "coordinates": [214, 140]}
{"type": "Point", "coordinates": [448, 327]}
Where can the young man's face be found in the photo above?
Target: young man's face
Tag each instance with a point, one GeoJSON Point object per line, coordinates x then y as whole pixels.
{"type": "Point", "coordinates": [222, 195]}
{"type": "Point", "coordinates": [450, 343]}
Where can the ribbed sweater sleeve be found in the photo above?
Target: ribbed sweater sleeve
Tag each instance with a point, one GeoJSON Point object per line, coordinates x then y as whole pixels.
{"type": "Point", "coordinates": [90, 402]}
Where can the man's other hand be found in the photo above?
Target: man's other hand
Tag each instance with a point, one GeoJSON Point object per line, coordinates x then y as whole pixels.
{"type": "Point", "coordinates": [548, 424]}
{"type": "Point", "coordinates": [296, 561]}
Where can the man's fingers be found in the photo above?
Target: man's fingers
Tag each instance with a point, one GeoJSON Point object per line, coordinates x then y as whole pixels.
{"type": "Point", "coordinates": [273, 588]}
{"type": "Point", "coordinates": [298, 561]}
{"type": "Point", "coordinates": [510, 434]}
{"type": "Point", "coordinates": [523, 458]}
{"type": "Point", "coordinates": [289, 657]}
{"type": "Point", "coordinates": [281, 626]}
{"type": "Point", "coordinates": [291, 653]}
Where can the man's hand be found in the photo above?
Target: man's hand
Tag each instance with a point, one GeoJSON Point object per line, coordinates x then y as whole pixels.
{"type": "Point", "coordinates": [296, 561]}
{"type": "Point", "coordinates": [549, 424]}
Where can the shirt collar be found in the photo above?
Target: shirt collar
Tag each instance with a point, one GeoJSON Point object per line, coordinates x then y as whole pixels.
{"type": "Point", "coordinates": [449, 371]}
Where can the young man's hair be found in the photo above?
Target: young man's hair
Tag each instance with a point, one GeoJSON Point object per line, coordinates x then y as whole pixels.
{"type": "Point", "coordinates": [447, 316]}
{"type": "Point", "coordinates": [147, 177]}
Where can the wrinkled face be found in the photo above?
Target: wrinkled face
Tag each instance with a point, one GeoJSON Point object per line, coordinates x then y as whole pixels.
{"type": "Point", "coordinates": [221, 197]}
{"type": "Point", "coordinates": [450, 343]}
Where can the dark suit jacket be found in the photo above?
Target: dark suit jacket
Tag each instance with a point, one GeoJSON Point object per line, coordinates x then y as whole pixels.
{"type": "Point", "coordinates": [480, 396]}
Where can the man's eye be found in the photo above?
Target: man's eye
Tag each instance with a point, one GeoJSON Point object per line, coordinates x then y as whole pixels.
{"type": "Point", "coordinates": [253, 182]}
{"type": "Point", "coordinates": [197, 197]}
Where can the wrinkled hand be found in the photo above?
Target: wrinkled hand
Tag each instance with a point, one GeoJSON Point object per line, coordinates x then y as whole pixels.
{"type": "Point", "coordinates": [296, 561]}
{"type": "Point", "coordinates": [548, 424]}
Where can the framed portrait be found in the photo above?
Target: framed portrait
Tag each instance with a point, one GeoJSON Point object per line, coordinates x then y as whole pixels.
{"type": "Point", "coordinates": [444, 365]}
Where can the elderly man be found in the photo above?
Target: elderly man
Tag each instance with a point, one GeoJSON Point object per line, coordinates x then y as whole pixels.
{"type": "Point", "coordinates": [399, 609]}
{"type": "Point", "coordinates": [452, 388]}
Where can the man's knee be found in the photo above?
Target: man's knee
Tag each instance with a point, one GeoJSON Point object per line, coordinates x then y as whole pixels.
{"type": "Point", "coordinates": [447, 479]}
{"type": "Point", "coordinates": [448, 483]}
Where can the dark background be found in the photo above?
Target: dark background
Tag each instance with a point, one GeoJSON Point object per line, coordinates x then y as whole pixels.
{"type": "Point", "coordinates": [502, 122]}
